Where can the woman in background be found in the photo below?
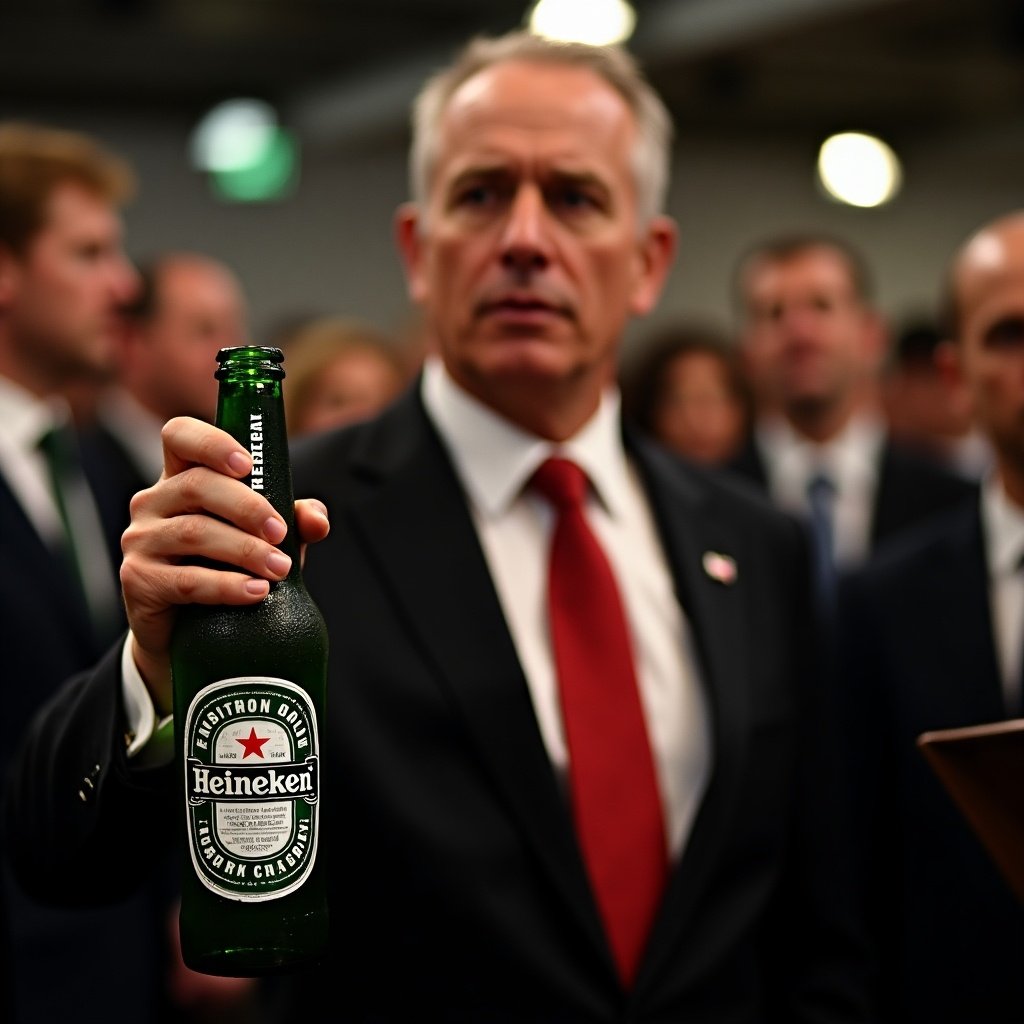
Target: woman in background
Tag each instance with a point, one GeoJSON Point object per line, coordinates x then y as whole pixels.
{"type": "Point", "coordinates": [338, 371]}
{"type": "Point", "coordinates": [686, 389]}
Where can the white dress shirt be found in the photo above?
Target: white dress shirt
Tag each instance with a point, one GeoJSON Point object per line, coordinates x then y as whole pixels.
{"type": "Point", "coordinates": [1002, 524]}
{"type": "Point", "coordinates": [851, 460]}
{"type": "Point", "coordinates": [495, 460]}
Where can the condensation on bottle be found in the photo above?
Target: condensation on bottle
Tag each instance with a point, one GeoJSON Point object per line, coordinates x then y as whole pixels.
{"type": "Point", "coordinates": [249, 703]}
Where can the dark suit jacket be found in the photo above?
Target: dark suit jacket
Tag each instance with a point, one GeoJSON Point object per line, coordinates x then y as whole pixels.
{"type": "Point", "coordinates": [458, 893]}
{"type": "Point", "coordinates": [63, 963]}
{"type": "Point", "coordinates": [917, 653]}
{"type": "Point", "coordinates": [911, 487]}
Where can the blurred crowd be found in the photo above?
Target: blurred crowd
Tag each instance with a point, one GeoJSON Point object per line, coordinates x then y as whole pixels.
{"type": "Point", "coordinates": [100, 351]}
{"type": "Point", "coordinates": [899, 447]}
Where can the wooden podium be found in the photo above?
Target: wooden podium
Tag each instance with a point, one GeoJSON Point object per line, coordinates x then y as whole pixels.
{"type": "Point", "coordinates": [982, 768]}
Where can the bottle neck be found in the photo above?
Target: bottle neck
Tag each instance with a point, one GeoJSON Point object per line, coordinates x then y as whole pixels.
{"type": "Point", "coordinates": [252, 411]}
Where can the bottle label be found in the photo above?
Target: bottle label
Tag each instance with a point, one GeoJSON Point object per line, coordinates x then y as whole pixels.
{"type": "Point", "coordinates": [251, 787]}
{"type": "Point", "coordinates": [256, 450]}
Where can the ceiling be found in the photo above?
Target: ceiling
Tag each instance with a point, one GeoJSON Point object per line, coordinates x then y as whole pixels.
{"type": "Point", "coordinates": [346, 68]}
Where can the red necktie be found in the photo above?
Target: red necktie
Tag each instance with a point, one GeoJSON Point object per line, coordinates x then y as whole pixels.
{"type": "Point", "coordinates": [614, 790]}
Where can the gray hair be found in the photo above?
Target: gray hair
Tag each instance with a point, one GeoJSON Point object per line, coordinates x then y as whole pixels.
{"type": "Point", "coordinates": [650, 158]}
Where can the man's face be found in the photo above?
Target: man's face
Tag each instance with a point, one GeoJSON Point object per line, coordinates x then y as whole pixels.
{"type": "Point", "coordinates": [808, 339]}
{"type": "Point", "coordinates": [990, 346]}
{"type": "Point", "coordinates": [200, 310]}
{"type": "Point", "coordinates": [528, 259]}
{"type": "Point", "coordinates": [61, 299]}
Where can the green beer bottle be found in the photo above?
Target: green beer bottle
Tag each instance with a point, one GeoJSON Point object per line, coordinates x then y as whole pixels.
{"type": "Point", "coordinates": [250, 689]}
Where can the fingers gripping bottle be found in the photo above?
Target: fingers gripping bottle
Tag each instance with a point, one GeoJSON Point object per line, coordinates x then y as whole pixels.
{"type": "Point", "coordinates": [249, 702]}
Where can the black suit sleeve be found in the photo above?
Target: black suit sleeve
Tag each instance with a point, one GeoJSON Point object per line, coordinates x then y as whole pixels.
{"type": "Point", "coordinates": [84, 828]}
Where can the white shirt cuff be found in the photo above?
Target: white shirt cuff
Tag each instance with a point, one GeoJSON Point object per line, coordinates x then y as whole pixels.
{"type": "Point", "coordinates": [149, 740]}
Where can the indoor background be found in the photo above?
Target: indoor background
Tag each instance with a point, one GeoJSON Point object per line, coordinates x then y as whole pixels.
{"type": "Point", "coordinates": [754, 86]}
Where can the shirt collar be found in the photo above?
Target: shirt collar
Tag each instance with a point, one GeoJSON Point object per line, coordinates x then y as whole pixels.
{"type": "Point", "coordinates": [1003, 524]}
{"type": "Point", "coordinates": [495, 458]}
{"type": "Point", "coordinates": [850, 458]}
{"type": "Point", "coordinates": [26, 418]}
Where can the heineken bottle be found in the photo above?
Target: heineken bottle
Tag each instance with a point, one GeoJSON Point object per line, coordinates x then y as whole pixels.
{"type": "Point", "coordinates": [249, 701]}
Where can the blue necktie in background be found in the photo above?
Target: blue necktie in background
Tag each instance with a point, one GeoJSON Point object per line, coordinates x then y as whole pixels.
{"type": "Point", "coordinates": [821, 497]}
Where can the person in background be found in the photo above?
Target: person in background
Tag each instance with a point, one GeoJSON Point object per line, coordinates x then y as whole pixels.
{"type": "Point", "coordinates": [931, 636]}
{"type": "Point", "coordinates": [924, 410]}
{"type": "Point", "coordinates": [475, 873]}
{"type": "Point", "coordinates": [64, 278]}
{"type": "Point", "coordinates": [686, 388]}
{"type": "Point", "coordinates": [64, 284]}
{"type": "Point", "coordinates": [187, 308]}
{"type": "Point", "coordinates": [338, 371]}
{"type": "Point", "coordinates": [813, 339]}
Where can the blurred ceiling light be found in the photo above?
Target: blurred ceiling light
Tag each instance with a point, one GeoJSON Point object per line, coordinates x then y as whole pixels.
{"type": "Point", "coordinates": [859, 169]}
{"type": "Point", "coordinates": [272, 176]}
{"type": "Point", "coordinates": [248, 156]}
{"type": "Point", "coordinates": [232, 135]}
{"type": "Point", "coordinates": [597, 22]}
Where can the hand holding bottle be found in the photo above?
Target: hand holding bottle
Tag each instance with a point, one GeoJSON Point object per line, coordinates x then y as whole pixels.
{"type": "Point", "coordinates": [201, 508]}
{"type": "Point", "coordinates": [249, 698]}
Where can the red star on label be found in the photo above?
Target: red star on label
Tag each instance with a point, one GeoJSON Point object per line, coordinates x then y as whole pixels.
{"type": "Point", "coordinates": [252, 743]}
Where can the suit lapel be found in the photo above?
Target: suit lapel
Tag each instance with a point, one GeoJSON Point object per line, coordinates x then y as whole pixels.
{"type": "Point", "coordinates": [413, 518]}
{"type": "Point", "coordinates": [718, 613]}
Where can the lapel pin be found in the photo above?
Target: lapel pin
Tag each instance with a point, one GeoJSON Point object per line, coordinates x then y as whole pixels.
{"type": "Point", "coordinates": [720, 567]}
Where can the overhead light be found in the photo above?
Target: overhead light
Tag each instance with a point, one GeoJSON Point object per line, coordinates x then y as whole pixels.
{"type": "Point", "coordinates": [247, 154]}
{"type": "Point", "coordinates": [232, 135]}
{"type": "Point", "coordinates": [597, 22]}
{"type": "Point", "coordinates": [859, 169]}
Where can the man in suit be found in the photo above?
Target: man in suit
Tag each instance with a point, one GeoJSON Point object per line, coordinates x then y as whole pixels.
{"type": "Point", "coordinates": [188, 306]}
{"type": "Point", "coordinates": [64, 283]}
{"type": "Point", "coordinates": [63, 278]}
{"type": "Point", "coordinates": [931, 635]}
{"type": "Point", "coordinates": [462, 887]}
{"type": "Point", "coordinates": [923, 410]}
{"type": "Point", "coordinates": [813, 344]}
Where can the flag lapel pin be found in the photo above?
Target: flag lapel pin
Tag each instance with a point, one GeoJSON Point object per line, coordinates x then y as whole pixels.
{"type": "Point", "coordinates": [719, 567]}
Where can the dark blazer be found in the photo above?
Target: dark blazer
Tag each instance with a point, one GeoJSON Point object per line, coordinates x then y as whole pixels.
{"type": "Point", "coordinates": [911, 487]}
{"type": "Point", "coordinates": [458, 892]}
{"type": "Point", "coordinates": [47, 631]}
{"type": "Point", "coordinates": [62, 962]}
{"type": "Point", "coordinates": [916, 652]}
